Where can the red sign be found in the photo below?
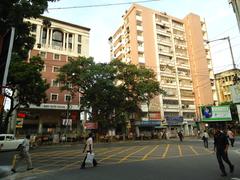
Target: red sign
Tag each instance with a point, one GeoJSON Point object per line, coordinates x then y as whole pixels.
{"type": "Point", "coordinates": [91, 125]}
{"type": "Point", "coordinates": [21, 115]}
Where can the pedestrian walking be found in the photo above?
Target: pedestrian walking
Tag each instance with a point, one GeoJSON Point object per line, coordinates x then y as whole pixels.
{"type": "Point", "coordinates": [221, 148]}
{"type": "Point", "coordinates": [89, 148]}
{"type": "Point", "coordinates": [180, 135]}
{"type": "Point", "coordinates": [23, 155]}
{"type": "Point", "coordinates": [205, 138]}
{"type": "Point", "coordinates": [231, 137]}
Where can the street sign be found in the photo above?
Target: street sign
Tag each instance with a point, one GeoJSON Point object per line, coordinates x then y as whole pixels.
{"type": "Point", "coordinates": [67, 122]}
{"type": "Point", "coordinates": [91, 125]}
{"type": "Point", "coordinates": [19, 122]}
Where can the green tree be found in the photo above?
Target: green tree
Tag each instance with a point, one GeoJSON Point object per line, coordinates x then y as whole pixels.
{"type": "Point", "coordinates": [12, 14]}
{"type": "Point", "coordinates": [25, 85]}
{"type": "Point", "coordinates": [112, 91]}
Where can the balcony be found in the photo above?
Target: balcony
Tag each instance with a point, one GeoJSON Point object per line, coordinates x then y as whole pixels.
{"type": "Point", "coordinates": [140, 38]}
{"type": "Point", "coordinates": [140, 49]}
{"type": "Point", "coordinates": [139, 28]}
{"type": "Point", "coordinates": [141, 60]}
{"type": "Point", "coordinates": [139, 18]}
{"type": "Point", "coordinates": [170, 106]}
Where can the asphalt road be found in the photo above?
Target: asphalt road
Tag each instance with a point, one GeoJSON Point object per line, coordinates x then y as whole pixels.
{"type": "Point", "coordinates": [148, 160]}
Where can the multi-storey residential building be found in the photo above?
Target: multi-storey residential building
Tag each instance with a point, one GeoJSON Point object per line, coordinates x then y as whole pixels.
{"type": "Point", "coordinates": [236, 9]}
{"type": "Point", "coordinates": [56, 43]}
{"type": "Point", "coordinates": [224, 80]}
{"type": "Point", "coordinates": [174, 48]}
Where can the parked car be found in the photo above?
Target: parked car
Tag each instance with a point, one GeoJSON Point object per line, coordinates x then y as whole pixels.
{"type": "Point", "coordinates": [9, 142]}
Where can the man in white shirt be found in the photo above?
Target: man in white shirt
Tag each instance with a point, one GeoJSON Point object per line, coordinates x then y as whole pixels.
{"type": "Point", "coordinates": [24, 154]}
{"type": "Point", "coordinates": [89, 148]}
{"type": "Point", "coordinates": [205, 139]}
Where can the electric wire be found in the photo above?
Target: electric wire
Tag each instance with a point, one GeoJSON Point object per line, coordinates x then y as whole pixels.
{"type": "Point", "coordinates": [101, 5]}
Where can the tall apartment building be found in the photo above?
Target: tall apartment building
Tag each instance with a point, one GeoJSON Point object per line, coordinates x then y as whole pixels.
{"type": "Point", "coordinates": [174, 48]}
{"type": "Point", "coordinates": [56, 43]}
{"type": "Point", "coordinates": [224, 80]}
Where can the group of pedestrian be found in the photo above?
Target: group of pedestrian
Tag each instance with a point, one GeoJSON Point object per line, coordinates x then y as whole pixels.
{"type": "Point", "coordinates": [221, 145]}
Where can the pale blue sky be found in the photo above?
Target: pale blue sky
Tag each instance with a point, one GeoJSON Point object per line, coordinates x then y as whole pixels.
{"type": "Point", "coordinates": [103, 21]}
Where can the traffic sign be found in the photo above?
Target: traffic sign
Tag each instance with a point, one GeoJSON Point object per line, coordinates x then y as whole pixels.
{"type": "Point", "coordinates": [19, 122]}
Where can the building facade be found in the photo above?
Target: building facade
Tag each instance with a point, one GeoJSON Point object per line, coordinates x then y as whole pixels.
{"type": "Point", "coordinates": [236, 9]}
{"type": "Point", "coordinates": [56, 43]}
{"type": "Point", "coordinates": [174, 48]}
{"type": "Point", "coordinates": [224, 80]}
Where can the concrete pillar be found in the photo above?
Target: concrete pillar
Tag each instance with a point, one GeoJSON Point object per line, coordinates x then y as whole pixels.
{"type": "Point", "coordinates": [40, 126]}
{"type": "Point", "coordinates": [186, 130]}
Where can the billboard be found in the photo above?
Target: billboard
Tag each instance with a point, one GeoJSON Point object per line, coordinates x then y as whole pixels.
{"type": "Point", "coordinates": [216, 113]}
{"type": "Point", "coordinates": [174, 121]}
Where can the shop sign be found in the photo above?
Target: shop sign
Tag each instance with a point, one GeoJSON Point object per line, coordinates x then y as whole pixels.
{"type": "Point", "coordinates": [19, 122]}
{"type": "Point", "coordinates": [91, 125]}
{"type": "Point", "coordinates": [175, 120]}
{"type": "Point", "coordinates": [67, 122]}
{"type": "Point", "coordinates": [216, 113]}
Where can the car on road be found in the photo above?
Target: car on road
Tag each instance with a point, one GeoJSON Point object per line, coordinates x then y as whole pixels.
{"type": "Point", "coordinates": [9, 142]}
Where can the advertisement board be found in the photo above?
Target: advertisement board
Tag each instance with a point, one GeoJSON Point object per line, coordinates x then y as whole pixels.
{"type": "Point", "coordinates": [216, 113]}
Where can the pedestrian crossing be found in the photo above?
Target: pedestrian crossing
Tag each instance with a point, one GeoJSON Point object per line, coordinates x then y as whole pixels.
{"type": "Point", "coordinates": [65, 159]}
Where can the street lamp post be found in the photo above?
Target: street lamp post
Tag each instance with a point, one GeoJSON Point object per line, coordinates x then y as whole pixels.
{"type": "Point", "coordinates": [230, 47]}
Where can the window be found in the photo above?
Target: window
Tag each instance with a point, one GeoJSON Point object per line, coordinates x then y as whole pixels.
{"type": "Point", "coordinates": [55, 69]}
{"type": "Point", "coordinates": [57, 38]}
{"type": "Point", "coordinates": [54, 97]}
{"type": "Point", "coordinates": [79, 48]}
{"type": "Point", "coordinates": [55, 83]}
{"type": "Point", "coordinates": [34, 28]}
{"type": "Point", "coordinates": [43, 54]}
{"type": "Point", "coordinates": [79, 38]}
{"type": "Point", "coordinates": [70, 40]}
{"type": "Point", "coordinates": [56, 56]}
{"type": "Point", "coordinates": [69, 58]}
{"type": "Point", "coordinates": [67, 98]}
{"type": "Point", "coordinates": [44, 35]}
{"type": "Point", "coordinates": [44, 68]}
{"type": "Point", "coordinates": [138, 13]}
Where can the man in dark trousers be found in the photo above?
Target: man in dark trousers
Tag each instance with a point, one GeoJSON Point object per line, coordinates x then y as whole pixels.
{"type": "Point", "coordinates": [221, 147]}
{"type": "Point", "coordinates": [89, 147]}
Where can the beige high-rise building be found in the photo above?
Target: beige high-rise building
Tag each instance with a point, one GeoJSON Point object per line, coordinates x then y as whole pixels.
{"type": "Point", "coordinates": [176, 50]}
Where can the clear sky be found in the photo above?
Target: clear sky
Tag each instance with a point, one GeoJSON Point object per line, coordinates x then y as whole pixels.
{"type": "Point", "coordinates": [103, 21]}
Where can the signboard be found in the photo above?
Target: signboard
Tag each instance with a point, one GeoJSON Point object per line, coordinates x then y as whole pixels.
{"type": "Point", "coordinates": [19, 122]}
{"type": "Point", "coordinates": [150, 123]}
{"type": "Point", "coordinates": [175, 120]}
{"type": "Point", "coordinates": [67, 122]}
{"type": "Point", "coordinates": [216, 113]}
{"type": "Point", "coordinates": [91, 125]}
{"type": "Point", "coordinates": [235, 93]}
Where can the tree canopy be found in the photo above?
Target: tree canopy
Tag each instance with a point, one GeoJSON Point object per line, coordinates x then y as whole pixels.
{"type": "Point", "coordinates": [109, 92]}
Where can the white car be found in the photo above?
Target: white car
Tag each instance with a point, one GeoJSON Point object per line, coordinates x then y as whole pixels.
{"type": "Point", "coordinates": [9, 142]}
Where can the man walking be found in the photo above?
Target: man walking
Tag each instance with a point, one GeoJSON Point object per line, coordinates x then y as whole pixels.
{"type": "Point", "coordinates": [221, 147]}
{"type": "Point", "coordinates": [89, 147]}
{"type": "Point", "coordinates": [205, 139]}
{"type": "Point", "coordinates": [231, 137]}
{"type": "Point", "coordinates": [23, 155]}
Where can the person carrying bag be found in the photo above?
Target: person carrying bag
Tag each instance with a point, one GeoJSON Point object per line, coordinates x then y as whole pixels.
{"type": "Point", "coordinates": [89, 157]}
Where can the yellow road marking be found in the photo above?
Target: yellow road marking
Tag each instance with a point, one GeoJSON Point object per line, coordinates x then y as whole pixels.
{"type": "Point", "coordinates": [209, 151]}
{"type": "Point", "coordinates": [126, 157]}
{"type": "Point", "coordinates": [180, 150]}
{"type": "Point", "coordinates": [145, 157]}
{"type": "Point", "coordinates": [108, 157]}
{"type": "Point", "coordinates": [69, 165]}
{"type": "Point", "coordinates": [166, 151]}
{"type": "Point", "coordinates": [193, 150]}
